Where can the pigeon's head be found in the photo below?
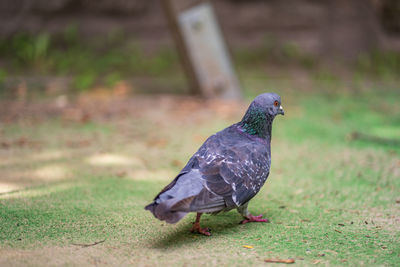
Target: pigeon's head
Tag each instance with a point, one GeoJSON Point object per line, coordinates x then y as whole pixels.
{"type": "Point", "coordinates": [260, 114]}
{"type": "Point", "coordinates": [268, 103]}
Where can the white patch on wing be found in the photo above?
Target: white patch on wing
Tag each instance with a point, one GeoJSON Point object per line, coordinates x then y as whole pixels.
{"type": "Point", "coordinates": [224, 179]}
{"type": "Point", "coordinates": [235, 200]}
{"type": "Point", "coordinates": [205, 185]}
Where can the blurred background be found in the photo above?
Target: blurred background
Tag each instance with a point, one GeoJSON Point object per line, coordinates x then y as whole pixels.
{"type": "Point", "coordinates": [97, 114]}
{"type": "Point", "coordinates": [79, 75]}
{"type": "Point", "coordinates": [75, 45]}
{"type": "Point", "coordinates": [100, 68]}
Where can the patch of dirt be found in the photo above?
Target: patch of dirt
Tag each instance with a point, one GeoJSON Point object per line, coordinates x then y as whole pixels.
{"type": "Point", "coordinates": [101, 104]}
{"type": "Point", "coordinates": [106, 254]}
{"type": "Point", "coordinates": [60, 256]}
{"type": "Point", "coordinates": [384, 219]}
{"type": "Point", "coordinates": [32, 155]}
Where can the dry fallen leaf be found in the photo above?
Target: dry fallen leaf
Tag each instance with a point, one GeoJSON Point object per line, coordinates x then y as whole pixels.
{"type": "Point", "coordinates": [246, 246]}
{"type": "Point", "coordinates": [288, 261]}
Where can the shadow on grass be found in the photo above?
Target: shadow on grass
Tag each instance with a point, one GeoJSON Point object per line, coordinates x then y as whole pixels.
{"type": "Point", "coordinates": [221, 226]}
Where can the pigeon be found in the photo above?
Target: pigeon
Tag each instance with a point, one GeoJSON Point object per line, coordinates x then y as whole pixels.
{"type": "Point", "coordinates": [226, 172]}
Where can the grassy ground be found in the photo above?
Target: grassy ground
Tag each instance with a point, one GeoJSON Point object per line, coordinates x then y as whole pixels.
{"type": "Point", "coordinates": [83, 173]}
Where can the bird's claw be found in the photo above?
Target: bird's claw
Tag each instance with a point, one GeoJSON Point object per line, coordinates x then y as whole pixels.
{"type": "Point", "coordinates": [203, 231]}
{"type": "Point", "coordinates": [252, 218]}
{"type": "Point", "coordinates": [199, 230]}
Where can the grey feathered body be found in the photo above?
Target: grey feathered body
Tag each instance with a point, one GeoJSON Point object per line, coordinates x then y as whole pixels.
{"type": "Point", "coordinates": [226, 172]}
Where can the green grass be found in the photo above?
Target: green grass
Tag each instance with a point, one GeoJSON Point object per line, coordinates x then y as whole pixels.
{"type": "Point", "coordinates": [99, 61]}
{"type": "Point", "coordinates": [104, 61]}
{"type": "Point", "coordinates": [112, 209]}
{"type": "Point", "coordinates": [331, 200]}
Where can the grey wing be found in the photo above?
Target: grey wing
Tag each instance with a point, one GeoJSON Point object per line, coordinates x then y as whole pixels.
{"type": "Point", "coordinates": [218, 177]}
{"type": "Point", "coordinates": [232, 179]}
{"type": "Point", "coordinates": [246, 176]}
{"type": "Point", "coordinates": [187, 191]}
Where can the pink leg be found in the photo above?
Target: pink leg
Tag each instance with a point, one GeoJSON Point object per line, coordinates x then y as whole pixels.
{"type": "Point", "coordinates": [197, 229]}
{"type": "Point", "coordinates": [251, 218]}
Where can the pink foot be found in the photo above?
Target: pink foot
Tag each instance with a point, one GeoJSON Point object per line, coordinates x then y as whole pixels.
{"type": "Point", "coordinates": [252, 218]}
{"type": "Point", "coordinates": [197, 229]}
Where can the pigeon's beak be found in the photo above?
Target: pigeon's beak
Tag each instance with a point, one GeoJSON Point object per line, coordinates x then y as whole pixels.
{"type": "Point", "coordinates": [280, 111]}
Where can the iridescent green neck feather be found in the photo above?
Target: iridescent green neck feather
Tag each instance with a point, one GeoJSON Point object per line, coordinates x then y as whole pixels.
{"type": "Point", "coordinates": [256, 122]}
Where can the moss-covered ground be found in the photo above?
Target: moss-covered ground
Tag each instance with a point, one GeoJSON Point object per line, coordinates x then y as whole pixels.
{"type": "Point", "coordinates": [82, 174]}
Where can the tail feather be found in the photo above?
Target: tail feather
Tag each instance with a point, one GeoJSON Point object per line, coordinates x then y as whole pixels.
{"type": "Point", "coordinates": [183, 205]}
{"type": "Point", "coordinates": [174, 201]}
{"type": "Point", "coordinates": [151, 207]}
{"type": "Point", "coordinates": [163, 212]}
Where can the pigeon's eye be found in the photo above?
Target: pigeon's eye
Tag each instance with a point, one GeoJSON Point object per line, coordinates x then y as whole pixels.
{"type": "Point", "coordinates": [276, 103]}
